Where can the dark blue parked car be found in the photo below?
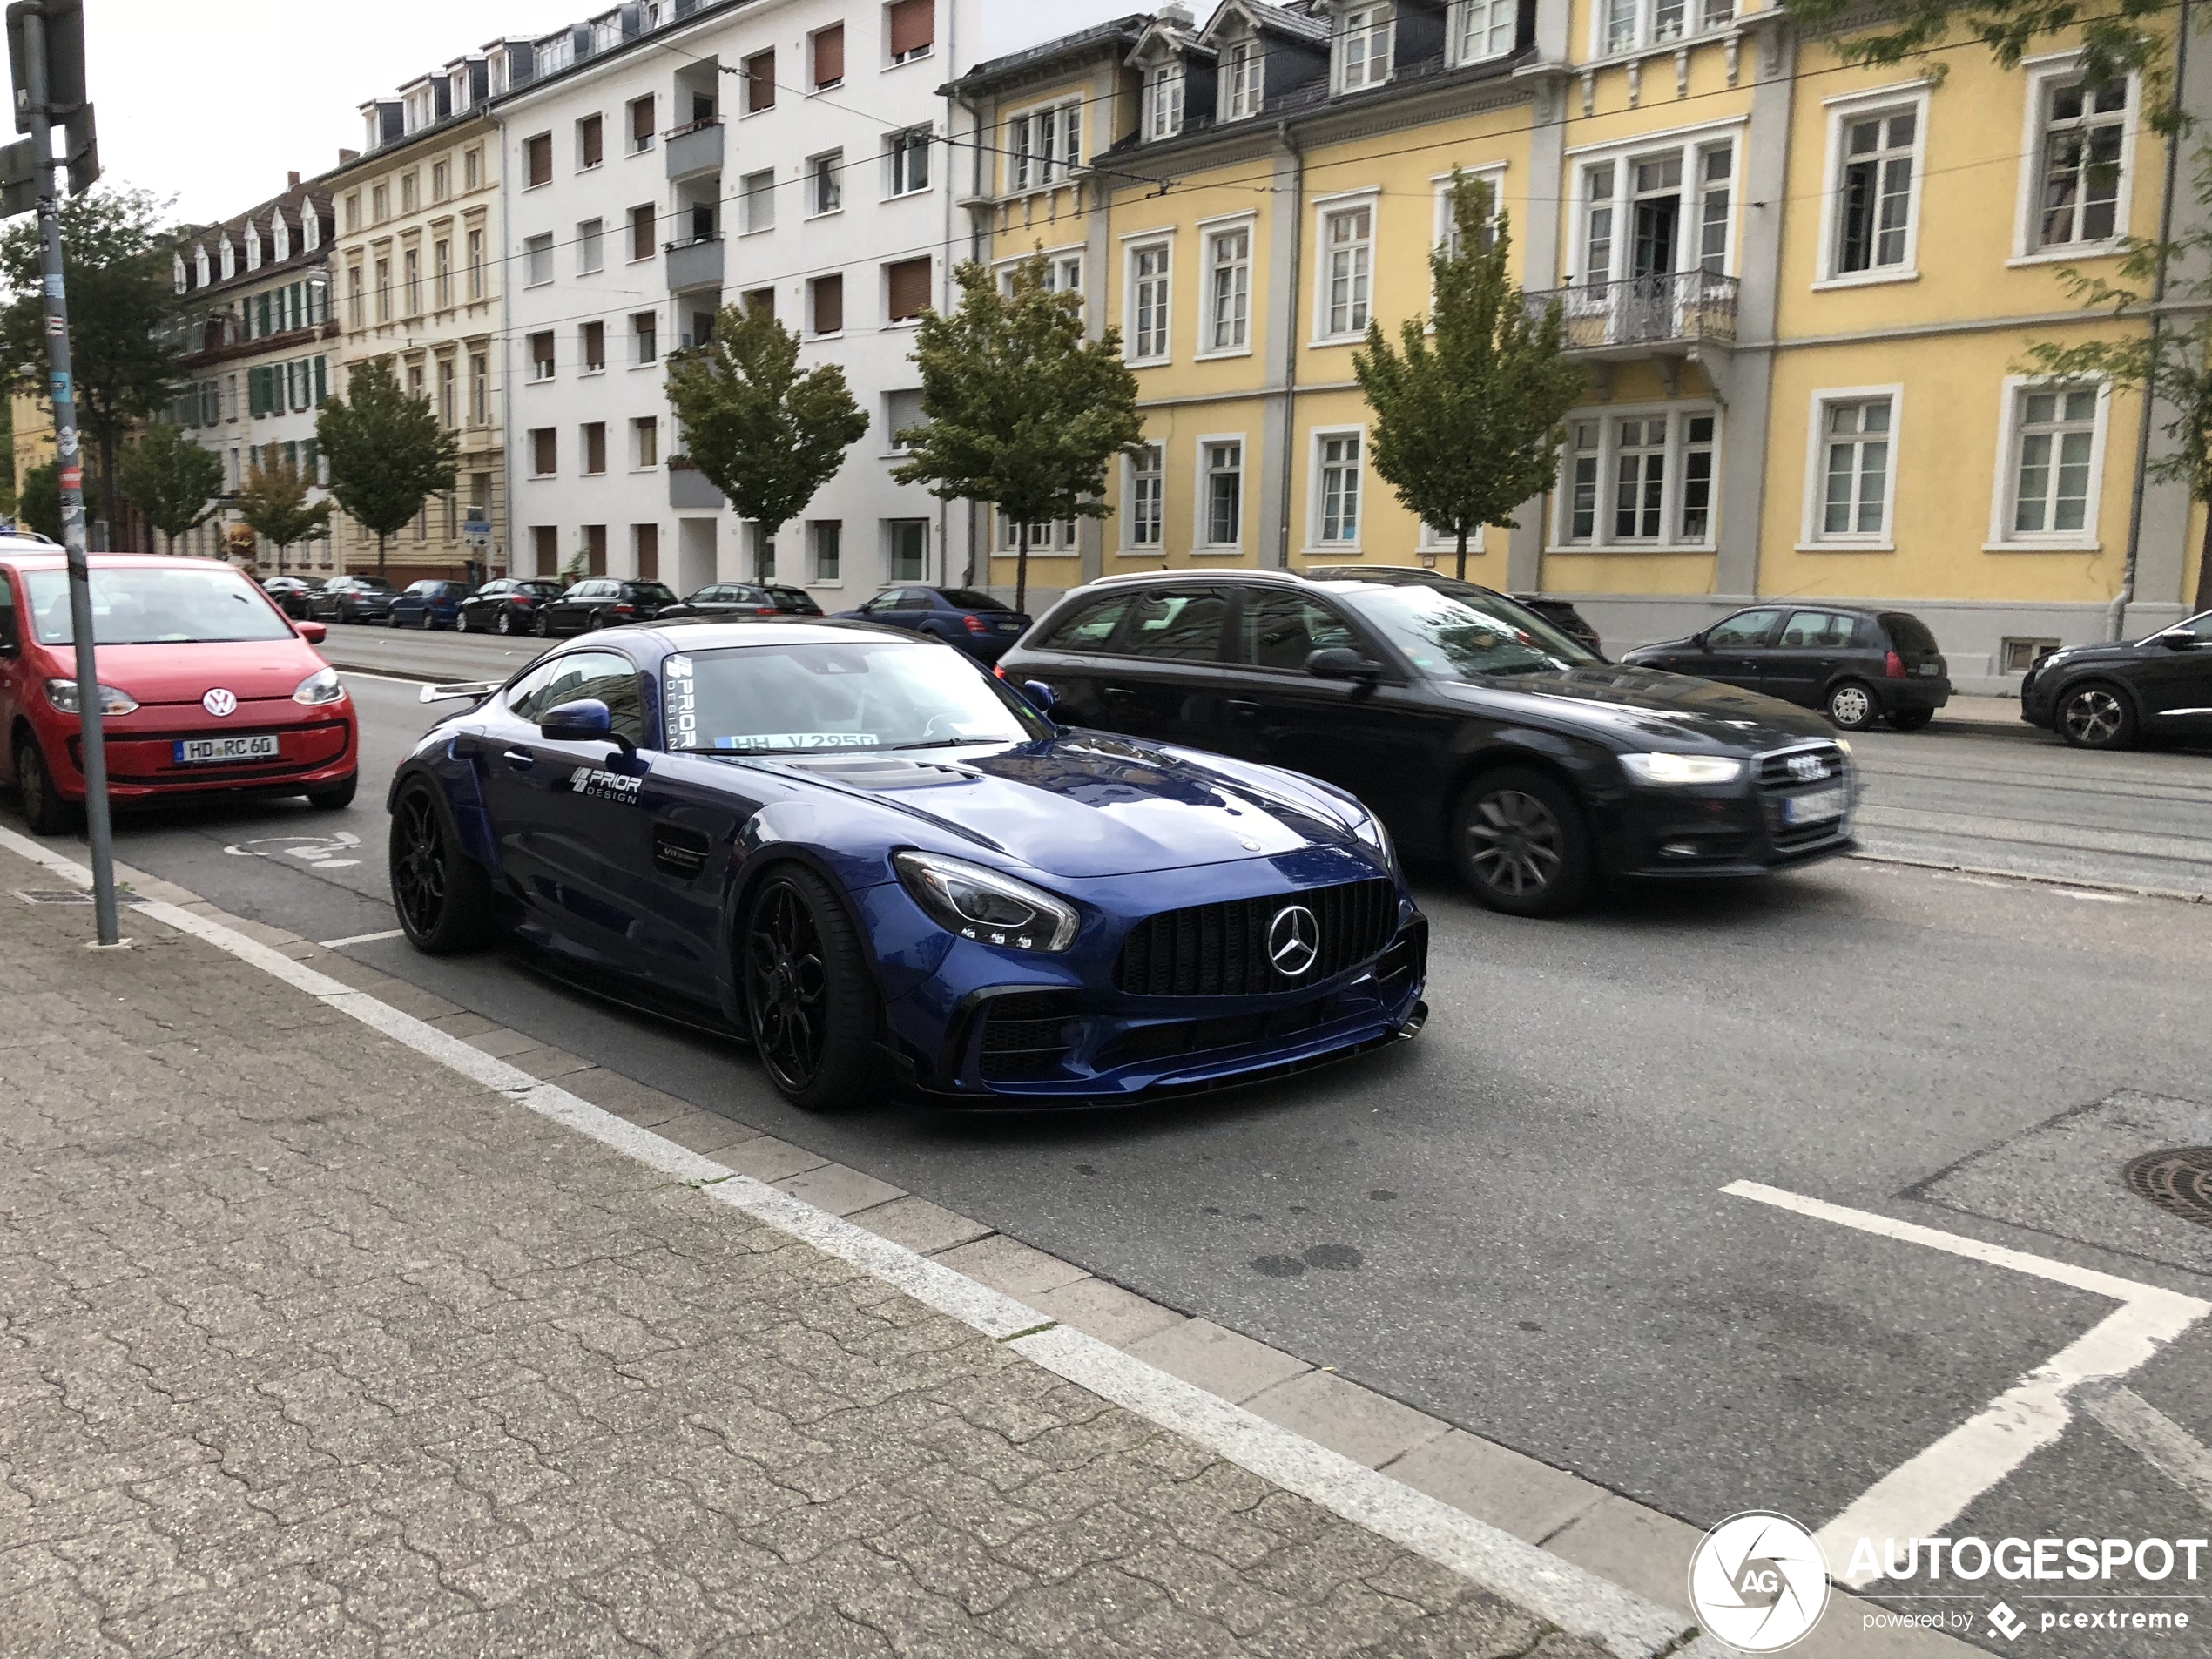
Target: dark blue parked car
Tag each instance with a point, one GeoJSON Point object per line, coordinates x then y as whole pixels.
{"type": "Point", "coordinates": [876, 862]}
{"type": "Point", "coordinates": [976, 622]}
{"type": "Point", "coordinates": [429, 604]}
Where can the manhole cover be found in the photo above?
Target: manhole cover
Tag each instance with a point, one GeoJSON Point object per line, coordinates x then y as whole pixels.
{"type": "Point", "coordinates": [2178, 1180]}
{"type": "Point", "coordinates": [47, 896]}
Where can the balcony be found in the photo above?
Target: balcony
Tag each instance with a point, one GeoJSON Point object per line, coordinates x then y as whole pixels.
{"type": "Point", "coordinates": [694, 149]}
{"type": "Point", "coordinates": [695, 264]}
{"type": "Point", "coordinates": [1668, 315]}
{"type": "Point", "coordinates": [689, 491]}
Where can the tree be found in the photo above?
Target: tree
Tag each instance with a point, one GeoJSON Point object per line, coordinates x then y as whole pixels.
{"type": "Point", "coordinates": [38, 504]}
{"type": "Point", "coordinates": [1468, 408]}
{"type": "Point", "coordinates": [171, 479]}
{"type": "Point", "coordinates": [274, 502]}
{"type": "Point", "coordinates": [1022, 410]}
{"type": "Point", "coordinates": [124, 351]}
{"type": "Point", "coordinates": [765, 435]}
{"type": "Point", "coordinates": [387, 452]}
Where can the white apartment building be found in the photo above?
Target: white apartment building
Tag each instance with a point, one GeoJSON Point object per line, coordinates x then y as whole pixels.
{"type": "Point", "coordinates": [664, 159]}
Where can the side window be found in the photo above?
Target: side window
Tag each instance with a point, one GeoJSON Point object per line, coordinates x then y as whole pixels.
{"type": "Point", "coordinates": [603, 675]}
{"type": "Point", "coordinates": [1742, 631]}
{"type": "Point", "coordinates": [10, 635]}
{"type": "Point", "coordinates": [1819, 630]}
{"type": "Point", "coordinates": [1281, 630]}
{"type": "Point", "coordinates": [1178, 627]}
{"type": "Point", "coordinates": [881, 601]}
{"type": "Point", "coordinates": [1089, 626]}
{"type": "Point", "coordinates": [918, 599]}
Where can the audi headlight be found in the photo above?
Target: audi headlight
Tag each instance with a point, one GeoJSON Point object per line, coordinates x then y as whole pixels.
{"type": "Point", "coordinates": [321, 686]}
{"type": "Point", "coordinates": [63, 695]}
{"type": "Point", "coordinates": [982, 905]}
{"type": "Point", "coordinates": [1683, 769]}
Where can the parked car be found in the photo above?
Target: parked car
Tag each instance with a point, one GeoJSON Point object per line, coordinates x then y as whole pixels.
{"type": "Point", "coordinates": [203, 683]}
{"type": "Point", "coordinates": [352, 598]}
{"type": "Point", "coordinates": [1559, 612]}
{"type": "Point", "coordinates": [428, 603]}
{"type": "Point", "coordinates": [291, 593]}
{"type": "Point", "coordinates": [1474, 730]}
{"type": "Point", "coordinates": [1855, 666]}
{"type": "Point", "coordinates": [977, 624]}
{"type": "Point", "coordinates": [743, 599]}
{"type": "Point", "coordinates": [506, 605]}
{"type": "Point", "coordinates": [2112, 697]}
{"type": "Point", "coordinates": [599, 602]}
{"type": "Point", "coordinates": [885, 869]}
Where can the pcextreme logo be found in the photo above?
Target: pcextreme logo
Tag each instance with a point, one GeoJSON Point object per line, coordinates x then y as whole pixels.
{"type": "Point", "coordinates": [1758, 1581]}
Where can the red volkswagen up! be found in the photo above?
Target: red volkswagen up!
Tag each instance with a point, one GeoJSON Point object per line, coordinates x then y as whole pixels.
{"type": "Point", "coordinates": [206, 687]}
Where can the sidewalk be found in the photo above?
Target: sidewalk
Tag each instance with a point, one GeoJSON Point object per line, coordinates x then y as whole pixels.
{"type": "Point", "coordinates": [311, 1343]}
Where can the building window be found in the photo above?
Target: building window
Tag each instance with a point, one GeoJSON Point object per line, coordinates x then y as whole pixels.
{"type": "Point", "coordinates": [1044, 147]}
{"type": "Point", "coordinates": [1639, 220]}
{"type": "Point", "coordinates": [1243, 81]}
{"type": "Point", "coordinates": [1147, 496]}
{"type": "Point", "coordinates": [760, 75]}
{"type": "Point", "coordinates": [1347, 243]}
{"type": "Point", "coordinates": [1149, 272]}
{"type": "Point", "coordinates": [1364, 47]}
{"type": "Point", "coordinates": [476, 265]}
{"type": "Point", "coordinates": [590, 249]}
{"type": "Point", "coordinates": [826, 305]}
{"type": "Point", "coordinates": [411, 269]}
{"type": "Point", "coordinates": [1163, 101]}
{"type": "Point", "coordinates": [2052, 465]}
{"type": "Point", "coordinates": [1229, 289]}
{"type": "Point", "coordinates": [545, 452]}
{"type": "Point", "coordinates": [2080, 159]}
{"type": "Point", "coordinates": [410, 187]}
{"type": "Point", "coordinates": [352, 211]}
{"type": "Point", "coordinates": [824, 548]}
{"type": "Point", "coordinates": [594, 437]}
{"type": "Point", "coordinates": [537, 259]}
{"type": "Point", "coordinates": [1482, 29]}
{"type": "Point", "coordinates": [1855, 439]}
{"type": "Point", "coordinates": [448, 413]}
{"type": "Point", "coordinates": [1630, 23]}
{"type": "Point", "coordinates": [644, 442]}
{"type": "Point", "coordinates": [1877, 167]}
{"type": "Point", "coordinates": [441, 271]}
{"type": "Point", "coordinates": [907, 547]}
{"type": "Point", "coordinates": [591, 143]}
{"type": "Point", "coordinates": [641, 232]}
{"type": "Point", "coordinates": [907, 162]}
{"type": "Point", "coordinates": [905, 285]}
{"type": "Point", "coordinates": [383, 291]}
{"type": "Point", "coordinates": [910, 29]}
{"type": "Point", "coordinates": [479, 388]}
{"type": "Point", "coordinates": [545, 549]}
{"type": "Point", "coordinates": [644, 337]}
{"type": "Point", "coordinates": [641, 124]}
{"type": "Point", "coordinates": [826, 183]}
{"type": "Point", "coordinates": [356, 316]}
{"type": "Point", "coordinates": [592, 338]}
{"type": "Point", "coordinates": [2016, 656]}
{"type": "Point", "coordinates": [541, 356]}
{"type": "Point", "coordinates": [537, 161]}
{"type": "Point", "coordinates": [645, 551]}
{"type": "Point", "coordinates": [758, 300]}
{"type": "Point", "coordinates": [826, 50]}
{"type": "Point", "coordinates": [472, 169]}
{"type": "Point", "coordinates": [1337, 490]}
{"type": "Point", "coordinates": [1223, 468]}
{"type": "Point", "coordinates": [1638, 479]}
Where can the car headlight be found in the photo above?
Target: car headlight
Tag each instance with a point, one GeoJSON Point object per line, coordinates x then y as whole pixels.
{"type": "Point", "coordinates": [1683, 769]}
{"type": "Point", "coordinates": [63, 695]}
{"type": "Point", "coordinates": [1371, 831]}
{"type": "Point", "coordinates": [982, 905]}
{"type": "Point", "coordinates": [321, 686]}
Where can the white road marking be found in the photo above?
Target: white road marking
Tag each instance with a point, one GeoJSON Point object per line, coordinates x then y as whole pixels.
{"type": "Point", "coordinates": [1923, 1495]}
{"type": "Point", "coordinates": [362, 938]}
{"type": "Point", "coordinates": [2152, 1435]}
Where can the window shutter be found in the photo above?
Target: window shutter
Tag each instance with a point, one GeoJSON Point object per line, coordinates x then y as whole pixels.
{"type": "Point", "coordinates": [538, 153]}
{"type": "Point", "coordinates": [909, 285]}
{"type": "Point", "coordinates": [914, 25]}
{"type": "Point", "coordinates": [760, 81]}
{"type": "Point", "coordinates": [829, 55]}
{"type": "Point", "coordinates": [590, 142]}
{"type": "Point", "coordinates": [829, 305]}
{"type": "Point", "coordinates": [641, 123]}
{"type": "Point", "coordinates": [322, 381]}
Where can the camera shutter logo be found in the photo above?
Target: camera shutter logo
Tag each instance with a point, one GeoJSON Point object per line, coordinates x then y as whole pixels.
{"type": "Point", "coordinates": [220, 702]}
{"type": "Point", "coordinates": [1293, 939]}
{"type": "Point", "coordinates": [1758, 1581]}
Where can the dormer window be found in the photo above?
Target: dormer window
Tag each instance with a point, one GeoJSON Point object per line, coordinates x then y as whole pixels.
{"type": "Point", "coordinates": [200, 273]}
{"type": "Point", "coordinates": [1243, 78]}
{"type": "Point", "coordinates": [252, 245]}
{"type": "Point", "coordinates": [1163, 101]}
{"type": "Point", "coordinates": [177, 279]}
{"type": "Point", "coordinates": [1364, 47]}
{"type": "Point", "coordinates": [1482, 29]}
{"type": "Point", "coordinates": [310, 226]}
{"type": "Point", "coordinates": [279, 237]}
{"type": "Point", "coordinates": [229, 260]}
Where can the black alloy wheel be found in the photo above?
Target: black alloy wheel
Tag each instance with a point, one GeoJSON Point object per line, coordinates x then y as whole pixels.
{"type": "Point", "coordinates": [810, 1001]}
{"type": "Point", "coordinates": [1519, 840]}
{"type": "Point", "coordinates": [542, 626]}
{"type": "Point", "coordinates": [442, 895]}
{"type": "Point", "coordinates": [1852, 707]}
{"type": "Point", "coordinates": [2096, 716]}
{"type": "Point", "coordinates": [43, 809]}
{"type": "Point", "coordinates": [505, 626]}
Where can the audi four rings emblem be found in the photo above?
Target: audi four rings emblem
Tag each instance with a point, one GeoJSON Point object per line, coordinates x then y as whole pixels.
{"type": "Point", "coordinates": [1807, 767]}
{"type": "Point", "coordinates": [1293, 939]}
{"type": "Point", "coordinates": [220, 702]}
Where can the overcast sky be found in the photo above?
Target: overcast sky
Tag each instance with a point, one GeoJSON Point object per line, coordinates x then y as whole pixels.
{"type": "Point", "coordinates": [212, 104]}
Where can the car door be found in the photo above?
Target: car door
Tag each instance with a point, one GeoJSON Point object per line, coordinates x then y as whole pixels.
{"type": "Point", "coordinates": [1070, 656]}
{"type": "Point", "coordinates": [1165, 679]}
{"type": "Point", "coordinates": [2174, 681]}
{"type": "Point", "coordinates": [12, 680]}
{"type": "Point", "coordinates": [1811, 648]}
{"type": "Point", "coordinates": [1735, 648]}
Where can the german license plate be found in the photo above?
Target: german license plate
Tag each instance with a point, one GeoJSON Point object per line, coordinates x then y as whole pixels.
{"type": "Point", "coordinates": [1009, 627]}
{"type": "Point", "coordinates": [1814, 806]}
{"type": "Point", "coordinates": [1929, 671]}
{"type": "Point", "coordinates": [203, 750]}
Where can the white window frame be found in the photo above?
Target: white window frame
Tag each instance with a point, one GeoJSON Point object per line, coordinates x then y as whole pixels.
{"type": "Point", "coordinates": [1692, 143]}
{"type": "Point", "coordinates": [533, 246]}
{"type": "Point", "coordinates": [1211, 230]}
{"type": "Point", "coordinates": [2002, 537]}
{"type": "Point", "coordinates": [1341, 46]}
{"type": "Point", "coordinates": [1242, 80]}
{"type": "Point", "coordinates": [757, 208]}
{"type": "Point", "coordinates": [1492, 173]}
{"type": "Point", "coordinates": [1324, 209]}
{"type": "Point", "coordinates": [1133, 246]}
{"type": "Point", "coordinates": [1316, 440]}
{"type": "Point", "coordinates": [1063, 271]}
{"type": "Point", "coordinates": [1167, 89]}
{"type": "Point", "coordinates": [1558, 530]}
{"type": "Point", "coordinates": [1130, 474]}
{"type": "Point", "coordinates": [824, 171]}
{"type": "Point", "coordinates": [1842, 111]}
{"type": "Point", "coordinates": [1698, 17]}
{"type": "Point", "coordinates": [898, 172]}
{"type": "Point", "coordinates": [1202, 542]}
{"type": "Point", "coordinates": [1465, 13]}
{"type": "Point", "coordinates": [1812, 536]}
{"type": "Point", "coordinates": [1028, 169]}
{"type": "Point", "coordinates": [2041, 74]}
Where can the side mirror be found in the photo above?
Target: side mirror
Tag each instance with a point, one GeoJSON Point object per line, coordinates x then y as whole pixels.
{"type": "Point", "coordinates": [1039, 693]}
{"type": "Point", "coordinates": [314, 632]}
{"type": "Point", "coordinates": [1700, 640]}
{"type": "Point", "coordinates": [586, 720]}
{"type": "Point", "coordinates": [2178, 639]}
{"type": "Point", "coordinates": [1341, 663]}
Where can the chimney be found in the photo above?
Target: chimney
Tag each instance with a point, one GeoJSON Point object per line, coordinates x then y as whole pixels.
{"type": "Point", "coordinates": [345, 155]}
{"type": "Point", "coordinates": [292, 181]}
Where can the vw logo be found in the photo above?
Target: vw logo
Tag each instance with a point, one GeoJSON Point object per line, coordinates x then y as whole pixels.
{"type": "Point", "coordinates": [1293, 939]}
{"type": "Point", "coordinates": [1805, 768]}
{"type": "Point", "coordinates": [220, 702]}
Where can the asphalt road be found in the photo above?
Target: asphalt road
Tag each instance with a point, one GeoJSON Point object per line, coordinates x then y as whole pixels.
{"type": "Point", "coordinates": [1531, 1192]}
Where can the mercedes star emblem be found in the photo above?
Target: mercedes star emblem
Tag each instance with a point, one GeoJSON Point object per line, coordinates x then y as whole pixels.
{"type": "Point", "coordinates": [1293, 939]}
{"type": "Point", "coordinates": [220, 702]}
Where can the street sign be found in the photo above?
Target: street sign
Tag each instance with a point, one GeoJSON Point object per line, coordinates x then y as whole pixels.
{"type": "Point", "coordinates": [476, 532]}
{"type": "Point", "coordinates": [81, 149]}
{"type": "Point", "coordinates": [65, 58]}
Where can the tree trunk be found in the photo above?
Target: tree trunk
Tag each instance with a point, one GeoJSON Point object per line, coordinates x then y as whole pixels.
{"type": "Point", "coordinates": [111, 495]}
{"type": "Point", "coordinates": [1463, 552]}
{"type": "Point", "coordinates": [380, 553]}
{"type": "Point", "coordinates": [2204, 567]}
{"type": "Point", "coordinates": [1021, 571]}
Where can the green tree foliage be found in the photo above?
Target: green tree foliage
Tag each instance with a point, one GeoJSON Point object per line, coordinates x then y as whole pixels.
{"type": "Point", "coordinates": [1022, 410]}
{"type": "Point", "coordinates": [387, 452]}
{"type": "Point", "coordinates": [274, 502]}
{"type": "Point", "coordinates": [1467, 407]}
{"type": "Point", "coordinates": [171, 479]}
{"type": "Point", "coordinates": [2117, 36]}
{"type": "Point", "coordinates": [765, 435]}
{"type": "Point", "coordinates": [38, 505]}
{"type": "Point", "coordinates": [124, 351]}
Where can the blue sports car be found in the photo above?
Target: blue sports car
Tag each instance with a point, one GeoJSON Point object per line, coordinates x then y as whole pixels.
{"type": "Point", "coordinates": [890, 872]}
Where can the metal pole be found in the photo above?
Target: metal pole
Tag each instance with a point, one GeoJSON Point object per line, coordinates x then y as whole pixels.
{"type": "Point", "coordinates": [64, 396]}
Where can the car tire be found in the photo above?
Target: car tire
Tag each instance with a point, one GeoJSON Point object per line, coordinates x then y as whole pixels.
{"type": "Point", "coordinates": [425, 625]}
{"type": "Point", "coordinates": [43, 809]}
{"type": "Point", "coordinates": [1519, 842]}
{"type": "Point", "coordinates": [1910, 719]}
{"type": "Point", "coordinates": [2095, 715]}
{"type": "Point", "coordinates": [810, 1003]}
{"type": "Point", "coordinates": [1852, 706]}
{"type": "Point", "coordinates": [441, 895]}
{"type": "Point", "coordinates": [505, 626]}
{"type": "Point", "coordinates": [539, 629]}
{"type": "Point", "coordinates": [598, 621]}
{"type": "Point", "coordinates": [335, 798]}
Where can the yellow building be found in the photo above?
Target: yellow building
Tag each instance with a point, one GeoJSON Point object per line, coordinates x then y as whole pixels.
{"type": "Point", "coordinates": [1805, 292]}
{"type": "Point", "coordinates": [33, 420]}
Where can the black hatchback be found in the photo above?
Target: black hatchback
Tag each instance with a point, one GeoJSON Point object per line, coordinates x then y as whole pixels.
{"type": "Point", "coordinates": [352, 598]}
{"type": "Point", "coordinates": [1472, 727]}
{"type": "Point", "coordinates": [743, 599]}
{"type": "Point", "coordinates": [1855, 666]}
{"type": "Point", "coordinates": [600, 601]}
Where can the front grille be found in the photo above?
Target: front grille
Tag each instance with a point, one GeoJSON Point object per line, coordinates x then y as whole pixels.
{"type": "Point", "coordinates": [1795, 767]}
{"type": "Point", "coordinates": [1025, 1035]}
{"type": "Point", "coordinates": [1222, 949]}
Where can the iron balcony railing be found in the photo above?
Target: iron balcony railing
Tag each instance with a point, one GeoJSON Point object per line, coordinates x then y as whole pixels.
{"type": "Point", "coordinates": [1679, 307]}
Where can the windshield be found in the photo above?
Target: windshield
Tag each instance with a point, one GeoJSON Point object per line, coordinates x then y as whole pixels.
{"type": "Point", "coordinates": [811, 699]}
{"type": "Point", "coordinates": [969, 599]}
{"type": "Point", "coordinates": [153, 606]}
{"type": "Point", "coordinates": [1456, 636]}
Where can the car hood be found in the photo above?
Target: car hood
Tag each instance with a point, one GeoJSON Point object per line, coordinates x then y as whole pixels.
{"type": "Point", "coordinates": [1087, 804]}
{"type": "Point", "coordinates": [250, 669]}
{"type": "Point", "coordinates": [1641, 705]}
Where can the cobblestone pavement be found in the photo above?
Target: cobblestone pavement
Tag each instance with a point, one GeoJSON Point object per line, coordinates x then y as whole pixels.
{"type": "Point", "coordinates": [311, 1347]}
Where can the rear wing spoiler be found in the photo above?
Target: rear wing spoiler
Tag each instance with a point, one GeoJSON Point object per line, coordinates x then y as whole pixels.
{"type": "Point", "coordinates": [470, 689]}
